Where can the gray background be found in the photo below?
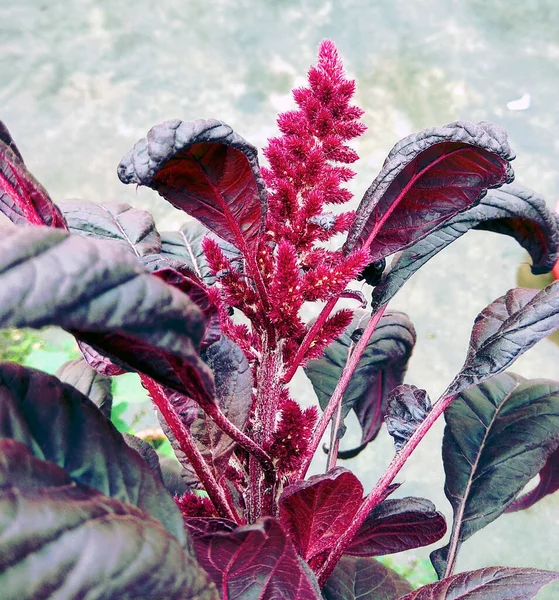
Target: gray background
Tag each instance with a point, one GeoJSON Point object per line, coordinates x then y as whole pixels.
{"type": "Point", "coordinates": [81, 81]}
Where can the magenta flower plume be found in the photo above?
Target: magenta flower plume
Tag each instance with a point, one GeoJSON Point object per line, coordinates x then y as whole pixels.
{"type": "Point", "coordinates": [305, 173]}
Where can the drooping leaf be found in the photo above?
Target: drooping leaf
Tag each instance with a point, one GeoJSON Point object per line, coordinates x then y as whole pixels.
{"type": "Point", "coordinates": [132, 228]}
{"type": "Point", "coordinates": [379, 371]}
{"type": "Point", "coordinates": [98, 361]}
{"type": "Point", "coordinates": [491, 583]}
{"type": "Point", "coordinates": [106, 299]}
{"type": "Point", "coordinates": [498, 437]}
{"type": "Point", "coordinates": [89, 382]}
{"type": "Point", "coordinates": [255, 561]}
{"type": "Point", "coordinates": [22, 198]}
{"type": "Point", "coordinates": [396, 525]}
{"type": "Point", "coordinates": [504, 330]}
{"type": "Point", "coordinates": [61, 425]}
{"type": "Point", "coordinates": [233, 393]}
{"type": "Point", "coordinates": [187, 282]}
{"type": "Point", "coordinates": [314, 513]}
{"type": "Point", "coordinates": [361, 578]}
{"type": "Point", "coordinates": [511, 210]}
{"type": "Point", "coordinates": [206, 169]}
{"type": "Point", "coordinates": [427, 178]}
{"type": "Point", "coordinates": [407, 408]}
{"type": "Point", "coordinates": [548, 484]}
{"type": "Point", "coordinates": [50, 525]}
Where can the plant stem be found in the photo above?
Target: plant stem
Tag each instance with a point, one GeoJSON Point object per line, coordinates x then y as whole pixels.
{"type": "Point", "coordinates": [339, 391]}
{"type": "Point", "coordinates": [334, 440]}
{"type": "Point", "coordinates": [213, 411]}
{"type": "Point", "coordinates": [186, 444]}
{"type": "Point", "coordinates": [378, 493]}
{"type": "Point", "coordinates": [308, 339]}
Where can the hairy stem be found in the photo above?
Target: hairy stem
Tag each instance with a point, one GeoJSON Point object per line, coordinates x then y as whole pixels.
{"type": "Point", "coordinates": [339, 391]}
{"type": "Point", "coordinates": [214, 413]}
{"type": "Point", "coordinates": [334, 438]}
{"type": "Point", "coordinates": [186, 444]}
{"type": "Point", "coordinates": [378, 493]}
{"type": "Point", "coordinates": [308, 339]}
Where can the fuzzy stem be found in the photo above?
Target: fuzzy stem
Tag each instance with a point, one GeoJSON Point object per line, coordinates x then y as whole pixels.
{"type": "Point", "coordinates": [186, 444]}
{"type": "Point", "coordinates": [308, 339]}
{"type": "Point", "coordinates": [213, 411]}
{"type": "Point", "coordinates": [378, 493]}
{"type": "Point", "coordinates": [334, 439]}
{"type": "Point", "coordinates": [339, 391]}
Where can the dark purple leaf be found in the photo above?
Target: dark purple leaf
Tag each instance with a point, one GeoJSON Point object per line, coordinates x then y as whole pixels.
{"type": "Point", "coordinates": [511, 210]}
{"type": "Point", "coordinates": [61, 425]}
{"type": "Point", "coordinates": [314, 513]}
{"type": "Point", "coordinates": [22, 198]}
{"type": "Point", "coordinates": [89, 382]}
{"type": "Point", "coordinates": [396, 525]}
{"type": "Point", "coordinates": [407, 408]}
{"type": "Point", "coordinates": [132, 228]}
{"type": "Point", "coordinates": [6, 137]}
{"type": "Point", "coordinates": [233, 394]}
{"type": "Point", "coordinates": [491, 583]}
{"type": "Point", "coordinates": [99, 362]}
{"type": "Point", "coordinates": [379, 371]}
{"type": "Point", "coordinates": [427, 178]}
{"type": "Point", "coordinates": [187, 282]}
{"type": "Point", "coordinates": [108, 301]}
{"type": "Point", "coordinates": [548, 484]}
{"type": "Point", "coordinates": [255, 562]}
{"type": "Point", "coordinates": [360, 578]}
{"type": "Point", "coordinates": [498, 437]}
{"type": "Point", "coordinates": [54, 525]}
{"type": "Point", "coordinates": [504, 330]}
{"type": "Point", "coordinates": [204, 168]}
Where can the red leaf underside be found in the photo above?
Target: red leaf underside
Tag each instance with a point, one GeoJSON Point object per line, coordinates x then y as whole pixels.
{"type": "Point", "coordinates": [214, 183]}
{"type": "Point", "coordinates": [442, 181]}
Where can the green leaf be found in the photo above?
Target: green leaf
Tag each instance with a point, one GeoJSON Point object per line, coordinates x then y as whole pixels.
{"type": "Point", "coordinates": [380, 369]}
{"type": "Point", "coordinates": [364, 578]}
{"type": "Point", "coordinates": [86, 380]}
{"type": "Point", "coordinates": [132, 228]}
{"type": "Point", "coordinates": [491, 583]}
{"type": "Point", "coordinates": [64, 541]}
{"type": "Point", "coordinates": [498, 437]}
{"type": "Point", "coordinates": [61, 425]}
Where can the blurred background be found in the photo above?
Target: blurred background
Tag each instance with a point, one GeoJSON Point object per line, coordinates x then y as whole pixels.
{"type": "Point", "coordinates": [81, 81]}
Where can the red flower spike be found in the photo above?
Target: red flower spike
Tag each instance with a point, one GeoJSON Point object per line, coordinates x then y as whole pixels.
{"type": "Point", "coordinates": [285, 291]}
{"type": "Point", "coordinates": [325, 281]}
{"type": "Point", "coordinates": [292, 436]}
{"type": "Point", "coordinates": [332, 329]}
{"type": "Point", "coordinates": [304, 160]}
{"type": "Point", "coordinates": [192, 505]}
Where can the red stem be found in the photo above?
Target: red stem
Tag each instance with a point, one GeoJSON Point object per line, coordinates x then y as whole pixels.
{"type": "Point", "coordinates": [334, 439]}
{"type": "Point", "coordinates": [213, 411]}
{"type": "Point", "coordinates": [307, 340]}
{"type": "Point", "coordinates": [378, 493]}
{"type": "Point", "coordinates": [186, 444]}
{"type": "Point", "coordinates": [338, 393]}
